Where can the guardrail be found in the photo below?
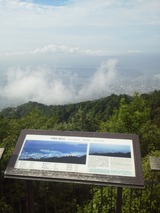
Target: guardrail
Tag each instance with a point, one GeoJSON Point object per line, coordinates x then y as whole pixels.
{"type": "Point", "coordinates": [73, 198]}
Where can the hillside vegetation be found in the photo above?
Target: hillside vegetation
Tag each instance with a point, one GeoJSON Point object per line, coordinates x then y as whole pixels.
{"type": "Point", "coordinates": [139, 114]}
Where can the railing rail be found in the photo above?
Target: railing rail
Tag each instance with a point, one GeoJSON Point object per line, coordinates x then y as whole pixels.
{"type": "Point", "coordinates": [47, 195]}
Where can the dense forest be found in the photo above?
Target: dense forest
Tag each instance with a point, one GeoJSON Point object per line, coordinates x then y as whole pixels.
{"type": "Point", "coordinates": [137, 114]}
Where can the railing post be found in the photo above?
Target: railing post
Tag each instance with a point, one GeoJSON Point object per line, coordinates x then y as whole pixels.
{"type": "Point", "coordinates": [119, 200]}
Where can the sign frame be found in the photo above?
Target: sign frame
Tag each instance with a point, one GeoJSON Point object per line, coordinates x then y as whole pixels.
{"type": "Point", "coordinates": [94, 178]}
{"type": "Point", "coordinates": [1, 152]}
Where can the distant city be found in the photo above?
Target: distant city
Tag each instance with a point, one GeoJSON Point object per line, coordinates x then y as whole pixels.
{"type": "Point", "coordinates": [142, 84]}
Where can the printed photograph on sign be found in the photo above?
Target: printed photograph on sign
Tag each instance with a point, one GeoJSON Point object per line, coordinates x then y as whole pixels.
{"type": "Point", "coordinates": [52, 151]}
{"type": "Point", "coordinates": [110, 150]}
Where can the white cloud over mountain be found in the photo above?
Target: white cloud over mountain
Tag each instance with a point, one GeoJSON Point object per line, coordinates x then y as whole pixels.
{"type": "Point", "coordinates": [46, 86]}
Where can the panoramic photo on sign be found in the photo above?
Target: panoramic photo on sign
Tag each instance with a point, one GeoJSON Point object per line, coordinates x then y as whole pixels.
{"type": "Point", "coordinates": [88, 156]}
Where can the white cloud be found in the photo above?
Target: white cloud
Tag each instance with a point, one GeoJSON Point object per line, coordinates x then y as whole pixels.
{"type": "Point", "coordinates": [48, 87]}
{"type": "Point", "coordinates": [35, 85]}
{"type": "Point", "coordinates": [53, 49]}
{"type": "Point", "coordinates": [106, 24]}
{"type": "Point", "coordinates": [101, 80]}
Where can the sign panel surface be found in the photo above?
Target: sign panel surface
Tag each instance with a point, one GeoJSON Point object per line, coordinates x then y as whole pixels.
{"type": "Point", "coordinates": [76, 156]}
{"type": "Point", "coordinates": [154, 163]}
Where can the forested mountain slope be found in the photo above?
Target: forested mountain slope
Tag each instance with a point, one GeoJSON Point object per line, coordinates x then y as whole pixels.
{"type": "Point", "coordinates": [139, 114]}
{"type": "Point", "coordinates": [100, 108]}
{"type": "Point", "coordinates": [114, 113]}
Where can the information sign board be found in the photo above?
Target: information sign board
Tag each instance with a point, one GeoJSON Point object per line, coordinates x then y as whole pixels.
{"type": "Point", "coordinates": [154, 163]}
{"type": "Point", "coordinates": [85, 157]}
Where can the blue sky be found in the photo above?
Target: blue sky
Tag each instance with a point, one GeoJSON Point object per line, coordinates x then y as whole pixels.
{"type": "Point", "coordinates": [48, 2]}
{"type": "Point", "coordinates": [39, 36]}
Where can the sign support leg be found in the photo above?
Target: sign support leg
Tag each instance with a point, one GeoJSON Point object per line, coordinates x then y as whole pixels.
{"type": "Point", "coordinates": [119, 200]}
{"type": "Point", "coordinates": [30, 196]}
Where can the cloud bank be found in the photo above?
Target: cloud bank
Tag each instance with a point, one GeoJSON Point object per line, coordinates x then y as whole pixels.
{"type": "Point", "coordinates": [53, 49]}
{"type": "Point", "coordinates": [48, 86]}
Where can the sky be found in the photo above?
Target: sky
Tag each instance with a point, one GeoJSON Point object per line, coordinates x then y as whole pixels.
{"type": "Point", "coordinates": [65, 51]}
{"type": "Point", "coordinates": [109, 148]}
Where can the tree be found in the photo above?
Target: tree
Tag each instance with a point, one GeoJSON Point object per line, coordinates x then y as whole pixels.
{"type": "Point", "coordinates": [129, 117]}
{"type": "Point", "coordinates": [149, 138]}
{"type": "Point", "coordinates": [83, 121]}
{"type": "Point", "coordinates": [135, 118]}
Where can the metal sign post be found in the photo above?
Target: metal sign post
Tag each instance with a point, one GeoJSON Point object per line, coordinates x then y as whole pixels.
{"type": "Point", "coordinates": [119, 200]}
{"type": "Point", "coordinates": [30, 196]}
